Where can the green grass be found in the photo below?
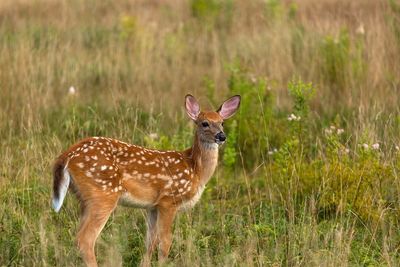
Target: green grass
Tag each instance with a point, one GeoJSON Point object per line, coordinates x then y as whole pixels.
{"type": "Point", "coordinates": [308, 176]}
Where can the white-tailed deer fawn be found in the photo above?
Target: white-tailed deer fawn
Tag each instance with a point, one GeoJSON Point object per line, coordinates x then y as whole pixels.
{"type": "Point", "coordinates": [104, 172]}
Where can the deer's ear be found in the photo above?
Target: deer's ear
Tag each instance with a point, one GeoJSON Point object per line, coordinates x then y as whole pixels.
{"type": "Point", "coordinates": [229, 107]}
{"type": "Point", "coordinates": [192, 107]}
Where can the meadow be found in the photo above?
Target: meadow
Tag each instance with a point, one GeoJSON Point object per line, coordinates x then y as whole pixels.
{"type": "Point", "coordinates": [309, 175]}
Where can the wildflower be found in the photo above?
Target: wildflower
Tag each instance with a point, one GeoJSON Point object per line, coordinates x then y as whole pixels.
{"type": "Point", "coordinates": [273, 151]}
{"type": "Point", "coordinates": [293, 117]}
{"type": "Point", "coordinates": [365, 146]}
{"type": "Point", "coordinates": [375, 146]}
{"type": "Point", "coordinates": [71, 90]}
{"type": "Point", "coordinates": [332, 127]}
{"type": "Point", "coordinates": [153, 136]}
{"type": "Point", "coordinates": [397, 148]}
{"type": "Point", "coordinates": [340, 131]}
{"type": "Point", "coordinates": [328, 131]}
{"type": "Point", "coordinates": [253, 78]}
{"type": "Point", "coordinates": [360, 30]}
{"type": "Point", "coordinates": [346, 150]}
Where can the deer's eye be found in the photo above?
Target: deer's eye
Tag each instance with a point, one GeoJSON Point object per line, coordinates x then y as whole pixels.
{"type": "Point", "coordinates": [205, 124]}
{"type": "Point", "coordinates": [222, 124]}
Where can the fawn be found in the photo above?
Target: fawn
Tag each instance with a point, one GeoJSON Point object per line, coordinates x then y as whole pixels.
{"type": "Point", "coordinates": [105, 172]}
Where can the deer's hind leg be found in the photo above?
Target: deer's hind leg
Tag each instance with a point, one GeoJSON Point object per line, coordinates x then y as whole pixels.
{"type": "Point", "coordinates": [151, 236]}
{"type": "Point", "coordinates": [94, 215]}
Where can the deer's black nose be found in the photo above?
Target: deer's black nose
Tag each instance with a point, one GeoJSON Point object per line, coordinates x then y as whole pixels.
{"type": "Point", "coordinates": [220, 136]}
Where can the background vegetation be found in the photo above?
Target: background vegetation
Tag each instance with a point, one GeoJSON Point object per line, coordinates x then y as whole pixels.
{"type": "Point", "coordinates": [309, 175]}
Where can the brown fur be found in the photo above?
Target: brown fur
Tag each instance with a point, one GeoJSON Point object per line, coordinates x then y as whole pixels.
{"type": "Point", "coordinates": [106, 172]}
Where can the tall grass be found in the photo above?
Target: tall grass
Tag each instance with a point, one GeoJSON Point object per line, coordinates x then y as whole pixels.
{"type": "Point", "coordinates": [309, 175]}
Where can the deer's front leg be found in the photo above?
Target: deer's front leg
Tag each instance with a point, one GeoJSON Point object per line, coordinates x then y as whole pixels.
{"type": "Point", "coordinates": [165, 218]}
{"type": "Point", "coordinates": [151, 236]}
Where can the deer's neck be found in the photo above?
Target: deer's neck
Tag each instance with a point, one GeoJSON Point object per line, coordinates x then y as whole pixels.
{"type": "Point", "coordinates": [204, 158]}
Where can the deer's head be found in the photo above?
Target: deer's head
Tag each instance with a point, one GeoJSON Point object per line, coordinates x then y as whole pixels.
{"type": "Point", "coordinates": [210, 124]}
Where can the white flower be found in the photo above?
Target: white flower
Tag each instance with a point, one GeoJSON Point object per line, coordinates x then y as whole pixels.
{"type": "Point", "coordinates": [273, 151]}
{"type": "Point", "coordinates": [375, 146]}
{"type": "Point", "coordinates": [71, 90]}
{"type": "Point", "coordinates": [340, 131]}
{"type": "Point", "coordinates": [347, 151]}
{"type": "Point", "coordinates": [153, 136]}
{"type": "Point", "coordinates": [293, 117]}
{"type": "Point", "coordinates": [328, 131]}
{"type": "Point", "coordinates": [360, 30]}
{"type": "Point", "coordinates": [333, 127]}
{"type": "Point", "coordinates": [365, 146]}
{"type": "Point", "coordinates": [397, 147]}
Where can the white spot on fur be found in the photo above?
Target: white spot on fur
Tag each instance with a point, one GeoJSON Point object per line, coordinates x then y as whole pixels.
{"type": "Point", "coordinates": [168, 185]}
{"type": "Point", "coordinates": [163, 177]}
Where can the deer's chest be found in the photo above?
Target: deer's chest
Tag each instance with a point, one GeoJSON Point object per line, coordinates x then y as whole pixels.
{"type": "Point", "coordinates": [190, 202]}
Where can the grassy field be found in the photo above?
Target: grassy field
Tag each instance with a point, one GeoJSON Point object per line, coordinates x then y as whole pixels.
{"type": "Point", "coordinates": [309, 175]}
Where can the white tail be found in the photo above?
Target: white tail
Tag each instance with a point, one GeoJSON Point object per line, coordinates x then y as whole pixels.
{"type": "Point", "coordinates": [106, 172]}
{"type": "Point", "coordinates": [62, 187]}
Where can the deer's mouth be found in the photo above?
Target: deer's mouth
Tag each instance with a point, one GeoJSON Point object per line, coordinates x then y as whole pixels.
{"type": "Point", "coordinates": [219, 142]}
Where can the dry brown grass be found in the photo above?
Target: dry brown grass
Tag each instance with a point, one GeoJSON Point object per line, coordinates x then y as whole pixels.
{"type": "Point", "coordinates": [52, 45]}
{"type": "Point", "coordinates": [135, 60]}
